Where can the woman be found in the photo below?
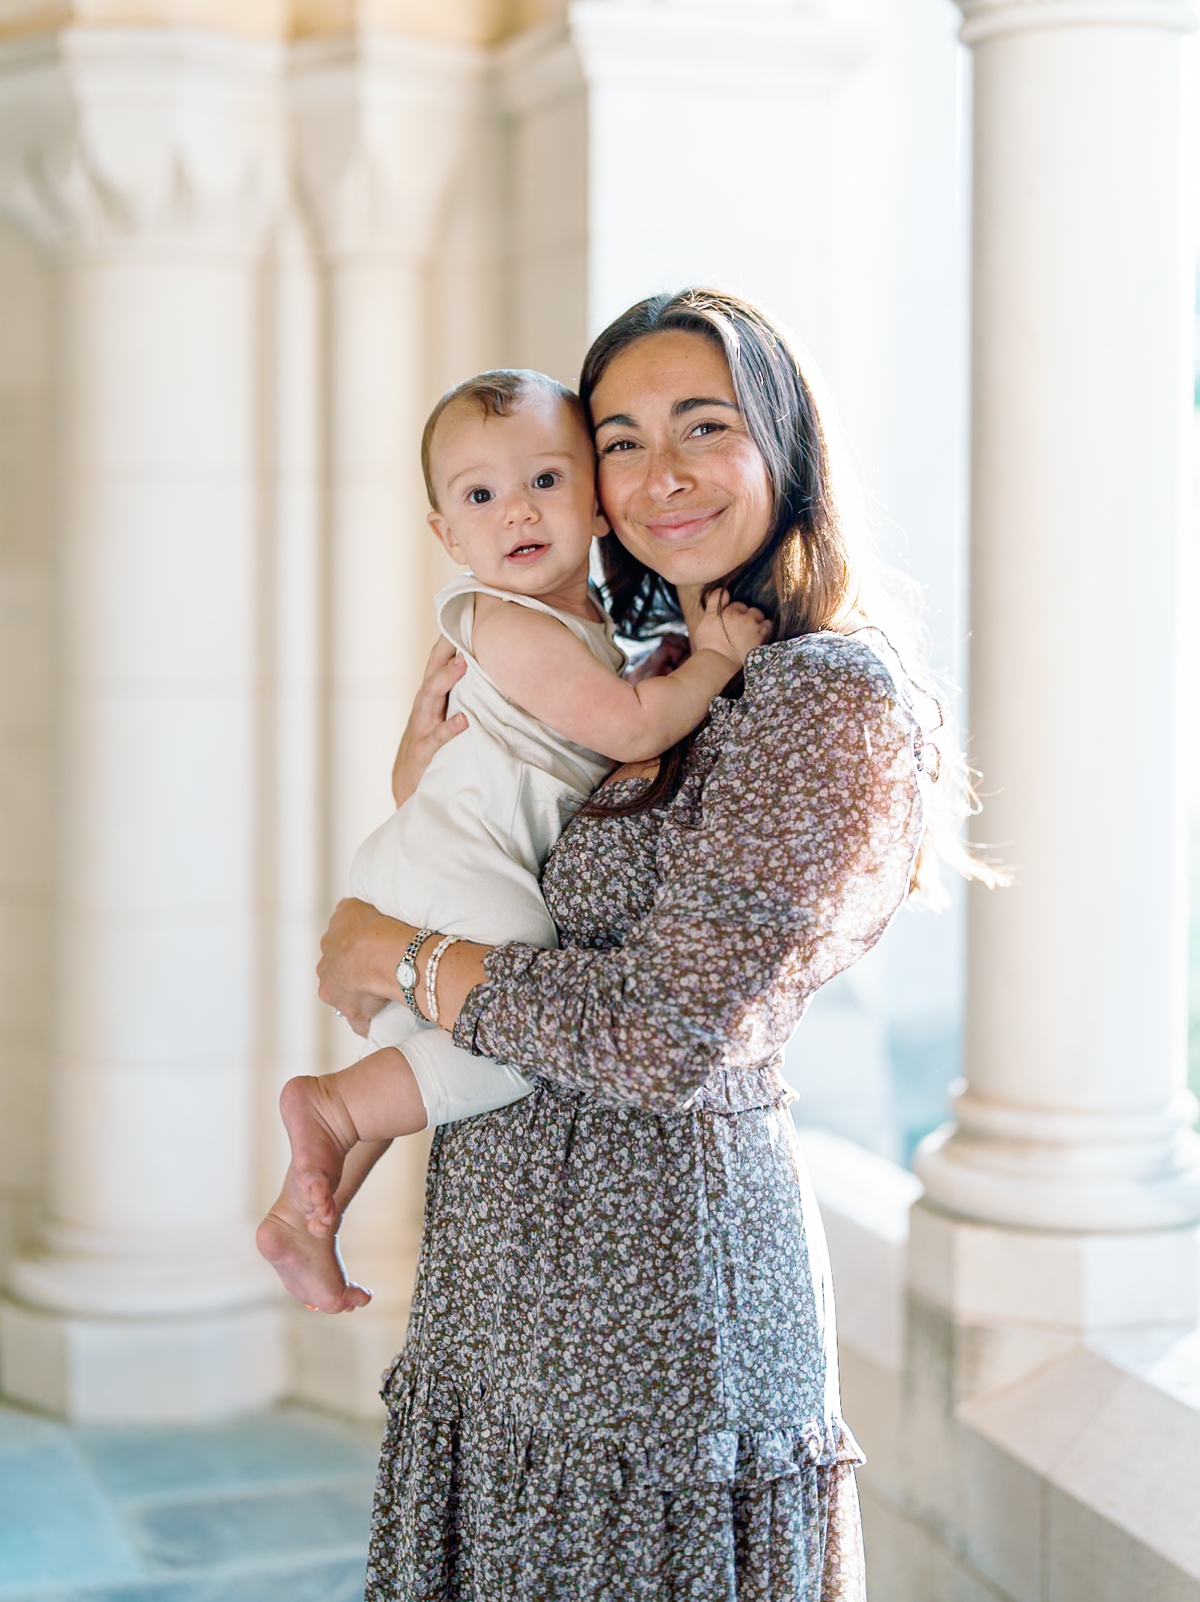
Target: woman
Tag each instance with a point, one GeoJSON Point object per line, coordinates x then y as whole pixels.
{"type": "Point", "coordinates": [620, 1377]}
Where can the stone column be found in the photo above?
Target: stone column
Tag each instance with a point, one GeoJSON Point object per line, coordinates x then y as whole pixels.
{"type": "Point", "coordinates": [1071, 1152]}
{"type": "Point", "coordinates": [380, 126]}
{"type": "Point", "coordinates": [701, 98]}
{"type": "Point", "coordinates": [293, 655]}
{"type": "Point", "coordinates": [603, 110]}
{"type": "Point", "coordinates": [148, 164]}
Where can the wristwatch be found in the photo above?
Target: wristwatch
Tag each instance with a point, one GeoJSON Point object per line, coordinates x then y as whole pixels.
{"type": "Point", "coordinates": [406, 971]}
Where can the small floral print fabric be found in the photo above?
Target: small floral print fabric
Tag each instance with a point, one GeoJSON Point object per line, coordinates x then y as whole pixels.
{"type": "Point", "coordinates": [620, 1378]}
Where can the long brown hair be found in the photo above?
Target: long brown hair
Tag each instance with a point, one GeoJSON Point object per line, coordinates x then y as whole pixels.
{"type": "Point", "coordinates": [810, 573]}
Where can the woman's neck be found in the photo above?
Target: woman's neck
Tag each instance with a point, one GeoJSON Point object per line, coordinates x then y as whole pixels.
{"type": "Point", "coordinates": [689, 604]}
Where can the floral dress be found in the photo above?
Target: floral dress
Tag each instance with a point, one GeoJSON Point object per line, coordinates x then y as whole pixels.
{"type": "Point", "coordinates": [620, 1377]}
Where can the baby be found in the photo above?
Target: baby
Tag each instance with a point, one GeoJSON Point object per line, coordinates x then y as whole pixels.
{"type": "Point", "coordinates": [510, 471]}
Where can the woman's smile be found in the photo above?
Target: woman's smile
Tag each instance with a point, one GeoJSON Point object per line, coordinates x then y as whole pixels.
{"type": "Point", "coordinates": [676, 527]}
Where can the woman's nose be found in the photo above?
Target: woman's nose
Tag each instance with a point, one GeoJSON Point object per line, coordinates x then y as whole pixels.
{"type": "Point", "coordinates": [665, 472]}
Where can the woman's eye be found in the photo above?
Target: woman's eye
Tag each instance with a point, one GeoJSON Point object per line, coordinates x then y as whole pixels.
{"type": "Point", "coordinates": [621, 445]}
{"type": "Point", "coordinates": [479, 497]}
{"type": "Point", "coordinates": [708, 428]}
{"type": "Point", "coordinates": [545, 481]}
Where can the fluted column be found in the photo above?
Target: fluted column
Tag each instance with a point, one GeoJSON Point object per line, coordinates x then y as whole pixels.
{"type": "Point", "coordinates": [1072, 1139]}
{"type": "Point", "coordinates": [148, 165]}
{"type": "Point", "coordinates": [381, 122]}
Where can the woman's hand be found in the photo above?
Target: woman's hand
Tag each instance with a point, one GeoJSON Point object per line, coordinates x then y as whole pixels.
{"type": "Point", "coordinates": [428, 726]}
{"type": "Point", "coordinates": [357, 970]}
{"type": "Point", "coordinates": [360, 952]}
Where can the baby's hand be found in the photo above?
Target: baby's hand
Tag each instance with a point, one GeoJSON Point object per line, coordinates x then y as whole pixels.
{"type": "Point", "coordinates": [730, 627]}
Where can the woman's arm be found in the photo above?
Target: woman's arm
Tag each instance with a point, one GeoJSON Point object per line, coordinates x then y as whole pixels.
{"type": "Point", "coordinates": [360, 952]}
{"type": "Point", "coordinates": [803, 852]}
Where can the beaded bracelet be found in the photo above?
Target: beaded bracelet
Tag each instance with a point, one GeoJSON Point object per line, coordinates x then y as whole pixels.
{"type": "Point", "coordinates": [431, 973]}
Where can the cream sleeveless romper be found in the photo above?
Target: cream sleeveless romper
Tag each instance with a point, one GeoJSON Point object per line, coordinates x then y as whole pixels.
{"type": "Point", "coordinates": [464, 854]}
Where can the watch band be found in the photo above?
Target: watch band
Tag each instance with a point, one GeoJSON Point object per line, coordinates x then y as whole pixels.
{"type": "Point", "coordinates": [406, 971]}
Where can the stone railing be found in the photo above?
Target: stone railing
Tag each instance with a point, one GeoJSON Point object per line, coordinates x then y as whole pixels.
{"type": "Point", "coordinates": [1074, 1482]}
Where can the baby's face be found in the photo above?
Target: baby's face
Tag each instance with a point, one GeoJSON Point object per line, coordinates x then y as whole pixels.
{"type": "Point", "coordinates": [517, 494]}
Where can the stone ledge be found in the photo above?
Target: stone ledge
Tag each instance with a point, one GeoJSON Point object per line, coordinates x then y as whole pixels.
{"type": "Point", "coordinates": [1118, 1440]}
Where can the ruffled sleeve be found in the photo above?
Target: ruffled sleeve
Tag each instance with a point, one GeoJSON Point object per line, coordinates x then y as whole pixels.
{"type": "Point", "coordinates": [789, 868]}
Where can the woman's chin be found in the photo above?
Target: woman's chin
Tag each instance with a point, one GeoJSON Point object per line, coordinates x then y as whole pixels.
{"type": "Point", "coordinates": [688, 565]}
{"type": "Point", "coordinates": [681, 565]}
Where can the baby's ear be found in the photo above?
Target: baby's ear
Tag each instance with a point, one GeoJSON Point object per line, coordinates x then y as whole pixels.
{"type": "Point", "coordinates": [445, 535]}
{"type": "Point", "coordinates": [600, 524]}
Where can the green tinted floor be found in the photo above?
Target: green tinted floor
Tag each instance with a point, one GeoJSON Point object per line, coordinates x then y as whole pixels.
{"type": "Point", "coordinates": [267, 1509]}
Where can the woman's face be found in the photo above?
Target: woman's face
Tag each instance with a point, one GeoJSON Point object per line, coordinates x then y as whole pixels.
{"type": "Point", "coordinates": [681, 481]}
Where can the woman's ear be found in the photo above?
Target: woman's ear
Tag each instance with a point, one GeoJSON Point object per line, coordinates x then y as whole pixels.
{"type": "Point", "coordinates": [600, 523]}
{"type": "Point", "coordinates": [445, 534]}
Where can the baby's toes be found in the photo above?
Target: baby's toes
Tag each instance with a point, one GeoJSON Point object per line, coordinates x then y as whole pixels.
{"type": "Point", "coordinates": [340, 1299]}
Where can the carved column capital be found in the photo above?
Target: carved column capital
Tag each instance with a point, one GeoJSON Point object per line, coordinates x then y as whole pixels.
{"type": "Point", "coordinates": [111, 138]}
{"type": "Point", "coordinates": [379, 126]}
{"type": "Point", "coordinates": [985, 19]}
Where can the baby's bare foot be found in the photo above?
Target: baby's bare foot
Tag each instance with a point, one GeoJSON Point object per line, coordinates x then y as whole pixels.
{"type": "Point", "coordinates": [310, 1268]}
{"type": "Point", "coordinates": [321, 1134]}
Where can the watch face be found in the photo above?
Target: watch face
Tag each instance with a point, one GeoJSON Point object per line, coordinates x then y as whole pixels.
{"type": "Point", "coordinates": [406, 974]}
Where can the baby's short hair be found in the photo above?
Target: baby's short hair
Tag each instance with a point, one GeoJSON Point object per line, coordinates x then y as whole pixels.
{"type": "Point", "coordinates": [497, 394]}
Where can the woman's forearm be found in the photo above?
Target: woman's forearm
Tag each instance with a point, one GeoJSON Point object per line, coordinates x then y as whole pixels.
{"type": "Point", "coordinates": [360, 952]}
{"type": "Point", "coordinates": [460, 970]}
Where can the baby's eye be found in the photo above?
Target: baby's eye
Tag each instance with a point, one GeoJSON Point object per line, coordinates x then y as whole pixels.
{"type": "Point", "coordinates": [545, 481]}
{"type": "Point", "coordinates": [480, 497]}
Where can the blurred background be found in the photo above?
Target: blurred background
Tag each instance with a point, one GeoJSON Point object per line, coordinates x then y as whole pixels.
{"type": "Point", "coordinates": [307, 261]}
{"type": "Point", "coordinates": [244, 245]}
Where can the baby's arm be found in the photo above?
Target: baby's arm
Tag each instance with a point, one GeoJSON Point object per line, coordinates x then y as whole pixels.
{"type": "Point", "coordinates": [543, 667]}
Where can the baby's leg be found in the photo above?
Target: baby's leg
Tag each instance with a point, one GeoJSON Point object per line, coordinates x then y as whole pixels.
{"type": "Point", "coordinates": [326, 1116]}
{"type": "Point", "coordinates": [311, 1266]}
{"type": "Point", "coordinates": [339, 1126]}
{"type": "Point", "coordinates": [454, 1083]}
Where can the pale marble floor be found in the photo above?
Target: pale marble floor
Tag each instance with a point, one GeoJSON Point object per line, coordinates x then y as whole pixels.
{"type": "Point", "coordinates": [267, 1509]}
